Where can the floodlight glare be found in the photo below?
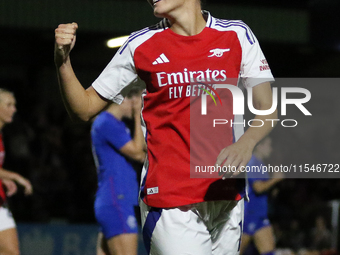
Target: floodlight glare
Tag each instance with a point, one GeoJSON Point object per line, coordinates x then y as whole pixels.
{"type": "Point", "coordinates": [116, 42]}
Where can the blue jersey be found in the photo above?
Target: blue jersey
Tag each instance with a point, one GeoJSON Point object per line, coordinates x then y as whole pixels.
{"type": "Point", "coordinates": [258, 203]}
{"type": "Point", "coordinates": [117, 179]}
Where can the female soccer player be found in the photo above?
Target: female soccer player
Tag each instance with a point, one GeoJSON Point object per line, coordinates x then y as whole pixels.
{"type": "Point", "coordinates": [117, 195]}
{"type": "Point", "coordinates": [257, 226]}
{"type": "Point", "coordinates": [9, 244]}
{"type": "Point", "coordinates": [186, 50]}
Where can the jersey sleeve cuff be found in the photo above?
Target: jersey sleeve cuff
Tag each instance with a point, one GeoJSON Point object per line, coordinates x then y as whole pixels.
{"type": "Point", "coordinates": [118, 99]}
{"type": "Point", "coordinates": [252, 82]}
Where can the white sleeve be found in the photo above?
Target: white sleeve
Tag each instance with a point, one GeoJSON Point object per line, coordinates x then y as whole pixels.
{"type": "Point", "coordinates": [115, 79]}
{"type": "Point", "coordinates": [254, 66]}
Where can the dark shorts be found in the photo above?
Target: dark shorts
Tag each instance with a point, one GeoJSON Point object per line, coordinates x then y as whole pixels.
{"type": "Point", "coordinates": [116, 219]}
{"type": "Point", "coordinates": [251, 226]}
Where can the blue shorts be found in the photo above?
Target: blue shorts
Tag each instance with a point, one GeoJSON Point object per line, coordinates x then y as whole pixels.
{"type": "Point", "coordinates": [250, 227]}
{"type": "Point", "coordinates": [116, 219]}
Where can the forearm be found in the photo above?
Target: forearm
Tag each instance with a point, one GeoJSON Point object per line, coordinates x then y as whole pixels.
{"type": "Point", "coordinates": [239, 153]}
{"type": "Point", "coordinates": [80, 103]}
{"type": "Point", "coordinates": [257, 132]}
{"type": "Point", "coordinates": [139, 139]}
{"type": "Point", "coordinates": [12, 176]}
{"type": "Point", "coordinates": [262, 100]}
{"type": "Point", "coordinates": [73, 94]}
{"type": "Point", "coordinates": [9, 175]}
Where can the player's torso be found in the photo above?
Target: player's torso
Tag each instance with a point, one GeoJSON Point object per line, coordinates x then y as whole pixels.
{"type": "Point", "coordinates": [173, 68]}
{"type": "Point", "coordinates": [258, 202]}
{"type": "Point", "coordinates": [169, 62]}
{"type": "Point", "coordinates": [2, 151]}
{"type": "Point", "coordinates": [116, 176]}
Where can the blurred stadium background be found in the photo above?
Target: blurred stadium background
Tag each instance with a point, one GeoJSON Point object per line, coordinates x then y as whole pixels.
{"type": "Point", "coordinates": [300, 39]}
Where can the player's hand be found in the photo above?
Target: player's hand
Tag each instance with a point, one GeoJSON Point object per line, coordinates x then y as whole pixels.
{"type": "Point", "coordinates": [28, 189]}
{"type": "Point", "coordinates": [136, 105]}
{"type": "Point", "coordinates": [65, 39]}
{"type": "Point", "coordinates": [234, 158]}
{"type": "Point", "coordinates": [11, 187]}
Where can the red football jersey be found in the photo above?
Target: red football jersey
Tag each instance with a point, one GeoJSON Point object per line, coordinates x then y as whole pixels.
{"type": "Point", "coordinates": [176, 70]}
{"type": "Point", "coordinates": [2, 158]}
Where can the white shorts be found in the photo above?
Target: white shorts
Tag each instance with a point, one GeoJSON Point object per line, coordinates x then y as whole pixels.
{"type": "Point", "coordinates": [6, 219]}
{"type": "Point", "coordinates": [213, 227]}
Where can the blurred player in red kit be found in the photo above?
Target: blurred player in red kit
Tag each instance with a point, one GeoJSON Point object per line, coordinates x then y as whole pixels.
{"type": "Point", "coordinates": [9, 244]}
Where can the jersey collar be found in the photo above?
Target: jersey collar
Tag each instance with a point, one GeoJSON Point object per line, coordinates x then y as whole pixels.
{"type": "Point", "coordinates": [166, 24]}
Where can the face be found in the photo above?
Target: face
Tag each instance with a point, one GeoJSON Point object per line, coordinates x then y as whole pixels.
{"type": "Point", "coordinates": [7, 107]}
{"type": "Point", "coordinates": [126, 107]}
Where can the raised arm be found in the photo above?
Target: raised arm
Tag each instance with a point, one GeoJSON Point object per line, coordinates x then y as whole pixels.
{"type": "Point", "coordinates": [239, 153]}
{"type": "Point", "coordinates": [136, 148]}
{"type": "Point", "coordinates": [80, 103]}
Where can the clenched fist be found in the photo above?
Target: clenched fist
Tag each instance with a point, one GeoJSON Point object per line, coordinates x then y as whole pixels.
{"type": "Point", "coordinates": [65, 39]}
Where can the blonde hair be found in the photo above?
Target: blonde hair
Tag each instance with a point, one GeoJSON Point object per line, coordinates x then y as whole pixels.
{"type": "Point", "coordinates": [4, 91]}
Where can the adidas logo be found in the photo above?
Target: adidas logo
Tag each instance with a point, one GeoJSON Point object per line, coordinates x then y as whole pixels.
{"type": "Point", "coordinates": [151, 191]}
{"type": "Point", "coordinates": [161, 59]}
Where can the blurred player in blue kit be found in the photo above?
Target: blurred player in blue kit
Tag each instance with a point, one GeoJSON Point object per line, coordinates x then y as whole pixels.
{"type": "Point", "coordinates": [117, 193]}
{"type": "Point", "coordinates": [256, 223]}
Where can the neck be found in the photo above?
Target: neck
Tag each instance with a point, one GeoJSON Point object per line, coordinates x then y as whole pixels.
{"type": "Point", "coordinates": [2, 124]}
{"type": "Point", "coordinates": [187, 21]}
